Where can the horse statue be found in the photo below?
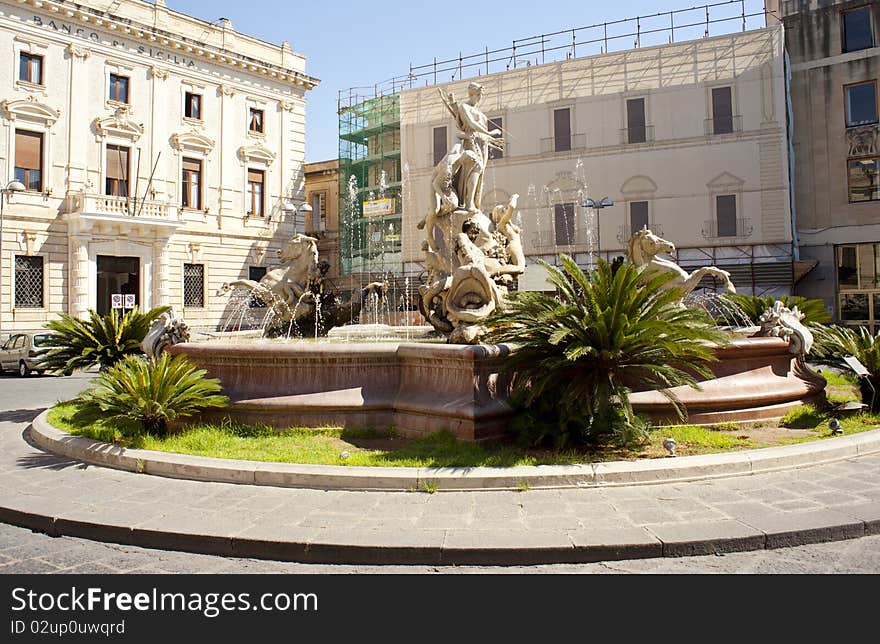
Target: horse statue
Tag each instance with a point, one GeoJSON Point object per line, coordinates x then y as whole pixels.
{"type": "Point", "coordinates": [644, 246]}
{"type": "Point", "coordinates": [288, 288]}
{"type": "Point", "coordinates": [169, 329]}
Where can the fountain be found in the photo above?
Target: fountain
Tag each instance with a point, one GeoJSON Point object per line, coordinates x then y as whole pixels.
{"type": "Point", "coordinates": [473, 260]}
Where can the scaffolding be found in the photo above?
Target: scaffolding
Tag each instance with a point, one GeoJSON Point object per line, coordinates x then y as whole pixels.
{"type": "Point", "coordinates": [370, 184]}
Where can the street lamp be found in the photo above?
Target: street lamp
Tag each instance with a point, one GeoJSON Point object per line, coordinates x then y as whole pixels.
{"type": "Point", "coordinates": [12, 186]}
{"type": "Point", "coordinates": [605, 202]}
{"type": "Point", "coordinates": [306, 211]}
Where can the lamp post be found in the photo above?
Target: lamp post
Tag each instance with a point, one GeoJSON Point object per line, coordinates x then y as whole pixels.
{"type": "Point", "coordinates": [305, 210]}
{"type": "Point", "coordinates": [605, 202]}
{"type": "Point", "coordinates": [12, 186]}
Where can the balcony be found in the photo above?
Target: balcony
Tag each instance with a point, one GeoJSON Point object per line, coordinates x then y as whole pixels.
{"type": "Point", "coordinates": [112, 208]}
{"type": "Point", "coordinates": [640, 134]}
{"type": "Point", "coordinates": [563, 143]}
{"type": "Point", "coordinates": [739, 228]}
{"type": "Point", "coordinates": [722, 125]}
{"type": "Point", "coordinates": [625, 232]}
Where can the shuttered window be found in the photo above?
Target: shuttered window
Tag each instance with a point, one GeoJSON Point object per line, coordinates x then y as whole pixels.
{"type": "Point", "coordinates": [117, 171]}
{"type": "Point", "coordinates": [562, 130]}
{"type": "Point", "coordinates": [726, 213]}
{"type": "Point", "coordinates": [255, 196]}
{"type": "Point", "coordinates": [30, 68]}
{"type": "Point", "coordinates": [564, 220]}
{"type": "Point", "coordinates": [29, 159]}
{"type": "Point", "coordinates": [191, 189]}
{"type": "Point", "coordinates": [635, 121]}
{"type": "Point", "coordinates": [439, 144]}
{"type": "Point", "coordinates": [722, 110]}
{"type": "Point", "coordinates": [638, 216]}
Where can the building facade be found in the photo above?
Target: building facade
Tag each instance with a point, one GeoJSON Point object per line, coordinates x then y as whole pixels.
{"type": "Point", "coordinates": [162, 157]}
{"type": "Point", "coordinates": [689, 139]}
{"type": "Point", "coordinates": [322, 194]}
{"type": "Point", "coordinates": [835, 70]}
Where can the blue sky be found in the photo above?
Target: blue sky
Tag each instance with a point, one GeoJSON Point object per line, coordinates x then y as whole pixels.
{"type": "Point", "coordinates": [356, 44]}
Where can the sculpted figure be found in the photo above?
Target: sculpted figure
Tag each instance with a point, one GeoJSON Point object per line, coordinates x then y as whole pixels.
{"type": "Point", "coordinates": [475, 138]}
{"type": "Point", "coordinates": [166, 331]}
{"type": "Point", "coordinates": [643, 249]}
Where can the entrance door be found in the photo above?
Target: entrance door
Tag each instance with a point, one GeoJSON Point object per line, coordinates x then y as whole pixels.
{"type": "Point", "coordinates": [117, 275]}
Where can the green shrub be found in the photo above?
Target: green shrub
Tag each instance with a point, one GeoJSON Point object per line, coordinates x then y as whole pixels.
{"type": "Point", "coordinates": [154, 392]}
{"type": "Point", "coordinates": [834, 343]}
{"type": "Point", "coordinates": [753, 306]}
{"type": "Point", "coordinates": [103, 341]}
{"type": "Point", "coordinates": [581, 352]}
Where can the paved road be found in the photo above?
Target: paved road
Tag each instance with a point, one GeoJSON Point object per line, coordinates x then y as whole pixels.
{"type": "Point", "coordinates": [22, 551]}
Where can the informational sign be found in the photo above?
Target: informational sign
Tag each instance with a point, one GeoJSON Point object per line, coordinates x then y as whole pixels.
{"type": "Point", "coordinates": [378, 207]}
{"type": "Point", "coordinates": [858, 368]}
{"type": "Point", "coordinates": [129, 301]}
{"type": "Point", "coordinates": [116, 301]}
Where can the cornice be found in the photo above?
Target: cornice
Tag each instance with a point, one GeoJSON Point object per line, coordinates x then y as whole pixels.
{"type": "Point", "coordinates": [29, 109]}
{"type": "Point", "coordinates": [152, 36]}
{"type": "Point", "coordinates": [120, 125]}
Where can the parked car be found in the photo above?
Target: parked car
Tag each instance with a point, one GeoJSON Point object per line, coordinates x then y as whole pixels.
{"type": "Point", "coordinates": [21, 353]}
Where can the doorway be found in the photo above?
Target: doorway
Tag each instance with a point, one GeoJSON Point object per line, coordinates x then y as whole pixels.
{"type": "Point", "coordinates": [117, 275]}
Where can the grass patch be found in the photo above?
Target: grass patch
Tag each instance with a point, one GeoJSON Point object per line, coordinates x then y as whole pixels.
{"type": "Point", "coordinates": [806, 417]}
{"type": "Point", "coordinates": [335, 446]}
{"type": "Point", "coordinates": [835, 379]}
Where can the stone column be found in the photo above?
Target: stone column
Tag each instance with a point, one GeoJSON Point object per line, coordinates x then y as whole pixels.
{"type": "Point", "coordinates": [161, 267]}
{"type": "Point", "coordinates": [79, 275]}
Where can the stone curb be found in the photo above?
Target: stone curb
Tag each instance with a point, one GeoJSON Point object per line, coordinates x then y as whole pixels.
{"type": "Point", "coordinates": [333, 477]}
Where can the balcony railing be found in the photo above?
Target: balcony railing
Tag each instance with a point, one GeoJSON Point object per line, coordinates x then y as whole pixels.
{"type": "Point", "coordinates": [563, 143]}
{"type": "Point", "coordinates": [640, 134]}
{"type": "Point", "coordinates": [112, 205]}
{"type": "Point", "coordinates": [723, 125]}
{"type": "Point", "coordinates": [739, 228]}
{"type": "Point", "coordinates": [625, 232]}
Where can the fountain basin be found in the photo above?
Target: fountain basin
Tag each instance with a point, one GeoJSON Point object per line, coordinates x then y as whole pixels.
{"type": "Point", "coordinates": [417, 388]}
{"type": "Point", "coordinates": [420, 388]}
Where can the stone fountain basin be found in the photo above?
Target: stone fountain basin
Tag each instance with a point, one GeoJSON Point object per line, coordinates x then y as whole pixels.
{"type": "Point", "coordinates": [420, 388]}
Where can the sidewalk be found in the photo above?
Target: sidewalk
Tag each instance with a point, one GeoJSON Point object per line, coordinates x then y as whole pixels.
{"type": "Point", "coordinates": [56, 495]}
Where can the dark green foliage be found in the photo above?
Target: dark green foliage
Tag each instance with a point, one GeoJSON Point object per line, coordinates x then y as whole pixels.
{"type": "Point", "coordinates": [581, 352]}
{"type": "Point", "coordinates": [833, 343]}
{"type": "Point", "coordinates": [153, 392]}
{"type": "Point", "coordinates": [103, 341]}
{"type": "Point", "coordinates": [754, 306]}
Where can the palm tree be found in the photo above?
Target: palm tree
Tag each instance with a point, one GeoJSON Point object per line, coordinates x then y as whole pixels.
{"type": "Point", "coordinates": [834, 343]}
{"type": "Point", "coordinates": [154, 392]}
{"type": "Point", "coordinates": [79, 344]}
{"type": "Point", "coordinates": [580, 352]}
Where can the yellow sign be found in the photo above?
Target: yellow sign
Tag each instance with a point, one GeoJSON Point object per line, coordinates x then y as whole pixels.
{"type": "Point", "coordinates": [378, 207]}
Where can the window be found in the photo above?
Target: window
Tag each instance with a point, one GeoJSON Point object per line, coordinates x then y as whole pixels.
{"type": "Point", "coordinates": [861, 104]}
{"type": "Point", "coordinates": [117, 171]}
{"type": "Point", "coordinates": [858, 33]}
{"type": "Point", "coordinates": [638, 216]}
{"type": "Point", "coordinates": [29, 159]}
{"type": "Point", "coordinates": [255, 274]}
{"type": "Point", "coordinates": [30, 68]}
{"type": "Point", "coordinates": [191, 189]}
{"type": "Point", "coordinates": [495, 124]}
{"type": "Point", "coordinates": [319, 211]}
{"type": "Point", "coordinates": [28, 282]}
{"type": "Point", "coordinates": [255, 121]}
{"type": "Point", "coordinates": [725, 214]}
{"type": "Point", "coordinates": [439, 144]}
{"type": "Point", "coordinates": [722, 110]}
{"type": "Point", "coordinates": [562, 130]}
{"type": "Point", "coordinates": [636, 132]}
{"type": "Point", "coordinates": [194, 286]}
{"type": "Point", "coordinates": [863, 185]}
{"type": "Point", "coordinates": [192, 106]}
{"type": "Point", "coordinates": [255, 197]}
{"type": "Point", "coordinates": [118, 88]}
{"type": "Point", "coordinates": [564, 219]}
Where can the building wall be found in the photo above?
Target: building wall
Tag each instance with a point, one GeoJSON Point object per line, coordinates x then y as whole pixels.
{"type": "Point", "coordinates": [164, 54]}
{"type": "Point", "coordinates": [680, 169]}
{"type": "Point", "coordinates": [823, 142]}
{"type": "Point", "coordinates": [322, 178]}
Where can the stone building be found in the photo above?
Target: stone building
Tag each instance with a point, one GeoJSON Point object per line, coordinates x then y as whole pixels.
{"type": "Point", "coordinates": [835, 68]}
{"type": "Point", "coordinates": [162, 155]}
{"type": "Point", "coordinates": [322, 194]}
{"type": "Point", "coordinates": [688, 138]}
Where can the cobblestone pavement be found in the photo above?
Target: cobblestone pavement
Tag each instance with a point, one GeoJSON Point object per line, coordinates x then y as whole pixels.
{"type": "Point", "coordinates": [664, 510]}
